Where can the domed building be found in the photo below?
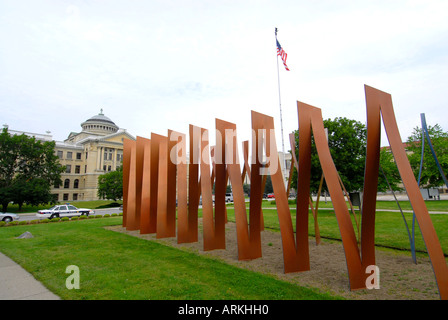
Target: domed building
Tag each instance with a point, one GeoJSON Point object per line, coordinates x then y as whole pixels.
{"type": "Point", "coordinates": [96, 150]}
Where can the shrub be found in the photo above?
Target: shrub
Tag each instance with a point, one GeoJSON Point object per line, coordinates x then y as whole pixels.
{"type": "Point", "coordinates": [82, 217]}
{"type": "Point", "coordinates": [54, 220]}
{"type": "Point", "coordinates": [46, 220]}
{"type": "Point", "coordinates": [120, 214]}
{"type": "Point", "coordinates": [2, 223]}
{"type": "Point", "coordinates": [114, 215]}
{"type": "Point", "coordinates": [74, 218]}
{"type": "Point", "coordinates": [97, 216]}
{"type": "Point", "coordinates": [106, 215]}
{"type": "Point", "coordinates": [65, 219]}
{"type": "Point", "coordinates": [34, 221]}
{"type": "Point", "coordinates": [13, 223]}
{"type": "Point", "coordinates": [23, 222]}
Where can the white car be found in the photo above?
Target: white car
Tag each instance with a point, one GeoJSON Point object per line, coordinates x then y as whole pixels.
{"type": "Point", "coordinates": [8, 217]}
{"type": "Point", "coordinates": [65, 210]}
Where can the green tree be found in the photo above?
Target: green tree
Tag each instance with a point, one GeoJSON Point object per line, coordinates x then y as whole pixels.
{"type": "Point", "coordinates": [390, 170]}
{"type": "Point", "coordinates": [110, 185]}
{"type": "Point", "coordinates": [430, 176]}
{"type": "Point", "coordinates": [28, 169]}
{"type": "Point", "coordinates": [268, 188]}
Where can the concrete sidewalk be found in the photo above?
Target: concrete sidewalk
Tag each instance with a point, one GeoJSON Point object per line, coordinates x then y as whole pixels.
{"type": "Point", "coordinates": [17, 284]}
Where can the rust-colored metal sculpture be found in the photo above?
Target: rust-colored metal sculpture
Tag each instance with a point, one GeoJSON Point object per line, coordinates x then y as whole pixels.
{"type": "Point", "coordinates": [292, 141]}
{"type": "Point", "coordinates": [155, 170]}
{"type": "Point", "coordinates": [263, 125]}
{"type": "Point", "coordinates": [310, 118]}
{"type": "Point", "coordinates": [144, 169]}
{"type": "Point", "coordinates": [379, 102]}
{"type": "Point", "coordinates": [129, 184]}
{"type": "Point", "coordinates": [248, 235]}
{"type": "Point", "coordinates": [213, 224]}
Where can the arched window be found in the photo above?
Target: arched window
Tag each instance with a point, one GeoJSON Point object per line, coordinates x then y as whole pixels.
{"type": "Point", "coordinates": [67, 183]}
{"type": "Point", "coordinates": [76, 184]}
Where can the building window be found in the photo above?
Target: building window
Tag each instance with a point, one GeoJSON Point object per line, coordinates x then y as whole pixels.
{"type": "Point", "coordinates": [65, 197]}
{"type": "Point", "coordinates": [69, 155]}
{"type": "Point", "coordinates": [67, 183]}
{"type": "Point", "coordinates": [68, 168]}
{"type": "Point", "coordinates": [77, 169]}
{"type": "Point", "coordinates": [78, 156]}
{"type": "Point", "coordinates": [76, 184]}
{"type": "Point", "coordinates": [60, 154]}
{"type": "Point", "coordinates": [104, 167]}
{"type": "Point", "coordinates": [75, 196]}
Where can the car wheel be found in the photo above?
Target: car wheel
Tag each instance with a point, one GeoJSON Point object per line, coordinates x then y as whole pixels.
{"type": "Point", "coordinates": [54, 216]}
{"type": "Point", "coordinates": [7, 219]}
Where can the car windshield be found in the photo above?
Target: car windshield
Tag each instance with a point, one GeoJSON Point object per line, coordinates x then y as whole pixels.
{"type": "Point", "coordinates": [52, 208]}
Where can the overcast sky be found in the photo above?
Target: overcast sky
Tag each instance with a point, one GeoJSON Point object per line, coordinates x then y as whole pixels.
{"type": "Point", "coordinates": [158, 65]}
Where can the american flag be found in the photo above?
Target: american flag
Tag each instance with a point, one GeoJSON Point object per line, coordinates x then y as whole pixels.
{"type": "Point", "coordinates": [282, 54]}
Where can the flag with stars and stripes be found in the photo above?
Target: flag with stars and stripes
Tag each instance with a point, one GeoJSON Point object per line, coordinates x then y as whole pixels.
{"type": "Point", "coordinates": [282, 54]}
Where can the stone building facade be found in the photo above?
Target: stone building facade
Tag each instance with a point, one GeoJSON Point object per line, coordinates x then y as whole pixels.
{"type": "Point", "coordinates": [96, 150]}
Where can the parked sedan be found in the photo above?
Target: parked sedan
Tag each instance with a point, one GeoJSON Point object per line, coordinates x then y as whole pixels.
{"type": "Point", "coordinates": [65, 210]}
{"type": "Point", "coordinates": [8, 217]}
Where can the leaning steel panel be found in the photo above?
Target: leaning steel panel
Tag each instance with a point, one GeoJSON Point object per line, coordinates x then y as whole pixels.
{"type": "Point", "coordinates": [310, 119]}
{"type": "Point", "coordinates": [264, 125]}
{"type": "Point", "coordinates": [248, 235]}
{"type": "Point", "coordinates": [380, 102]}
{"type": "Point", "coordinates": [213, 224]}
{"type": "Point", "coordinates": [144, 152]}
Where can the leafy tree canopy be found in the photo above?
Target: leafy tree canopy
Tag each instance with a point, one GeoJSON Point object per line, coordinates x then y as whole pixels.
{"type": "Point", "coordinates": [110, 185]}
{"type": "Point", "coordinates": [430, 176]}
{"type": "Point", "coordinates": [28, 169]}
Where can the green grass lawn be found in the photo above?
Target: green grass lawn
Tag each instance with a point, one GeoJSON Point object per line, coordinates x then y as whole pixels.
{"type": "Point", "coordinates": [390, 229]}
{"type": "Point", "coordinates": [118, 266]}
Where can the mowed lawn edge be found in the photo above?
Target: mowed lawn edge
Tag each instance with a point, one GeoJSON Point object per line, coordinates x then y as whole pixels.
{"type": "Point", "coordinates": [116, 266]}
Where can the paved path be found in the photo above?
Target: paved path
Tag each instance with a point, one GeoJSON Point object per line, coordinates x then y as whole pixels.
{"type": "Point", "coordinates": [17, 284]}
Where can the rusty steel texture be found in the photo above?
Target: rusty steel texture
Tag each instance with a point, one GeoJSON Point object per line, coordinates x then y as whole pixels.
{"type": "Point", "coordinates": [379, 105]}
{"type": "Point", "coordinates": [193, 185]}
{"type": "Point", "coordinates": [292, 256]}
{"type": "Point", "coordinates": [143, 170]}
{"type": "Point", "coordinates": [164, 225]}
{"type": "Point", "coordinates": [248, 234]}
{"type": "Point", "coordinates": [179, 152]}
{"type": "Point", "coordinates": [129, 184]}
{"type": "Point", "coordinates": [213, 224]}
{"type": "Point", "coordinates": [294, 164]}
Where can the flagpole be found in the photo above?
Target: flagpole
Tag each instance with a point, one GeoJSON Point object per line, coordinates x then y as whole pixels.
{"type": "Point", "coordinates": [280, 106]}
